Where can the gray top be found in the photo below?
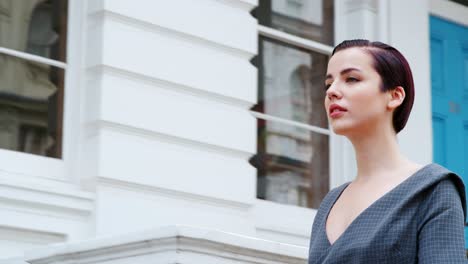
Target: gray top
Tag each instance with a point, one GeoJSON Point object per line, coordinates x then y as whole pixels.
{"type": "Point", "coordinates": [421, 220]}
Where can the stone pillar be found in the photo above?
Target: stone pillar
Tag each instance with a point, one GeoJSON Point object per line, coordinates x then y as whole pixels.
{"type": "Point", "coordinates": [169, 132]}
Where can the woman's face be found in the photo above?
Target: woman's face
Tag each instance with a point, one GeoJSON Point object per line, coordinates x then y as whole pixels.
{"type": "Point", "coordinates": [354, 102]}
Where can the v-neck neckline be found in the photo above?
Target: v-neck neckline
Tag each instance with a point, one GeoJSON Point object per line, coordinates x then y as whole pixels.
{"type": "Point", "coordinates": [394, 189]}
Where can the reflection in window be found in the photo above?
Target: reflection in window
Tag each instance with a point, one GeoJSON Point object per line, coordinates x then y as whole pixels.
{"type": "Point", "coordinates": [301, 93]}
{"type": "Point", "coordinates": [292, 162]}
{"type": "Point", "coordinates": [41, 35]}
{"type": "Point", "coordinates": [37, 27]}
{"type": "Point", "coordinates": [31, 93]}
{"type": "Point", "coordinates": [28, 106]}
{"type": "Point", "coordinates": [310, 19]}
{"type": "Point", "coordinates": [291, 82]}
{"type": "Point", "coordinates": [33, 139]}
{"type": "Point", "coordinates": [292, 165]}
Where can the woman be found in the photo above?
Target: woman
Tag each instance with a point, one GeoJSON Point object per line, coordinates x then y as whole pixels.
{"type": "Point", "coordinates": [395, 211]}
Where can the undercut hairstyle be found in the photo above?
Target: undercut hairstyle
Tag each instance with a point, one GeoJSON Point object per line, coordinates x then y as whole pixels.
{"type": "Point", "coordinates": [394, 71]}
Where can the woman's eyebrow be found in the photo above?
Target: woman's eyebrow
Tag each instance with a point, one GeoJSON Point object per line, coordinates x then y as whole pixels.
{"type": "Point", "coordinates": [344, 71]}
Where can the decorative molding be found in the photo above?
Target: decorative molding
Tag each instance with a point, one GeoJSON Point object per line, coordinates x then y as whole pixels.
{"type": "Point", "coordinates": [174, 244]}
{"type": "Point", "coordinates": [30, 236]}
{"type": "Point", "coordinates": [207, 107]}
{"type": "Point", "coordinates": [45, 200]}
{"type": "Point", "coordinates": [173, 194]}
{"type": "Point", "coordinates": [101, 69]}
{"type": "Point", "coordinates": [95, 126]}
{"type": "Point", "coordinates": [171, 32]}
{"type": "Point", "coordinates": [450, 11]}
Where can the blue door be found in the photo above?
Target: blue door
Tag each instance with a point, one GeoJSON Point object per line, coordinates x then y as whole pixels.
{"type": "Point", "coordinates": [449, 77]}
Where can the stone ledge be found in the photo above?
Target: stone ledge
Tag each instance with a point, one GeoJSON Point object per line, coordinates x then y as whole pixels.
{"type": "Point", "coordinates": [173, 244]}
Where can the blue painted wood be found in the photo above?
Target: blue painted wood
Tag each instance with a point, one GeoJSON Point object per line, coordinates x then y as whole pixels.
{"type": "Point", "coordinates": [439, 128]}
{"type": "Point", "coordinates": [449, 79]}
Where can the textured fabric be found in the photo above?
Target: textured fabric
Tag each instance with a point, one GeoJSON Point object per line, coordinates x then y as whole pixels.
{"type": "Point", "coordinates": [419, 221]}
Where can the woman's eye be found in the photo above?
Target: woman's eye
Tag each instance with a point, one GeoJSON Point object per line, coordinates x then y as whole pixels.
{"type": "Point", "coordinates": [351, 79]}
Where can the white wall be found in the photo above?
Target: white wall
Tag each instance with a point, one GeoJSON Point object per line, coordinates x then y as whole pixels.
{"type": "Point", "coordinates": [409, 33]}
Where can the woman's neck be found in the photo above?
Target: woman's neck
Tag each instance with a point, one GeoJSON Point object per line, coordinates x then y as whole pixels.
{"type": "Point", "coordinates": [377, 153]}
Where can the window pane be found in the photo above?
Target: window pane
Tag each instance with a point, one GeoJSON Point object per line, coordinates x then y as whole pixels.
{"type": "Point", "coordinates": [291, 83]}
{"type": "Point", "coordinates": [31, 99]}
{"type": "Point", "coordinates": [461, 2]}
{"type": "Point", "coordinates": [292, 164]}
{"type": "Point", "coordinates": [36, 28]}
{"type": "Point", "coordinates": [311, 19]}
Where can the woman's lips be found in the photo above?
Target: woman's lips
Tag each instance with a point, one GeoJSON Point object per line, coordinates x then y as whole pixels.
{"type": "Point", "coordinates": [336, 111]}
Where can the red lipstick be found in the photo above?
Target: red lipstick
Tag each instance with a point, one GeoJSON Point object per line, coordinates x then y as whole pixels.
{"type": "Point", "coordinates": [336, 110]}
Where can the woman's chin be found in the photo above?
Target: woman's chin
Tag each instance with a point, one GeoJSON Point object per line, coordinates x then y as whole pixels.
{"type": "Point", "coordinates": [341, 129]}
{"type": "Point", "coordinates": [340, 132]}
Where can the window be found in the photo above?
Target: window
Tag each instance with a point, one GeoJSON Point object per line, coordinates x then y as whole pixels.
{"type": "Point", "coordinates": [292, 159]}
{"type": "Point", "coordinates": [461, 2]}
{"type": "Point", "coordinates": [32, 68]}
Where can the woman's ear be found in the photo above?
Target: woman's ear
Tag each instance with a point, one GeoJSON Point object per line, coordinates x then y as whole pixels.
{"type": "Point", "coordinates": [397, 96]}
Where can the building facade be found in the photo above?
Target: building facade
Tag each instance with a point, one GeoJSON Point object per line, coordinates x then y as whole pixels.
{"type": "Point", "coordinates": [131, 121]}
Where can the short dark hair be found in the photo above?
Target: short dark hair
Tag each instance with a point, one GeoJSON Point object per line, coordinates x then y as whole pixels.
{"type": "Point", "coordinates": [394, 70]}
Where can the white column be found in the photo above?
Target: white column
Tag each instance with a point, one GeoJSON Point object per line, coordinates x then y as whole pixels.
{"type": "Point", "coordinates": [169, 130]}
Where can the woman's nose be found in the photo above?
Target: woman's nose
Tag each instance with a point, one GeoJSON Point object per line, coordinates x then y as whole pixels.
{"type": "Point", "coordinates": [333, 92]}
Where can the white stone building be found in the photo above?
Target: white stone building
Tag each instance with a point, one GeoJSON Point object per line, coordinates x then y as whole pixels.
{"type": "Point", "coordinates": [193, 131]}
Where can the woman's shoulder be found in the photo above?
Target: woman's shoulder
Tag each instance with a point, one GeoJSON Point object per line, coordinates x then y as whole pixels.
{"type": "Point", "coordinates": [437, 177]}
{"type": "Point", "coordinates": [442, 187]}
